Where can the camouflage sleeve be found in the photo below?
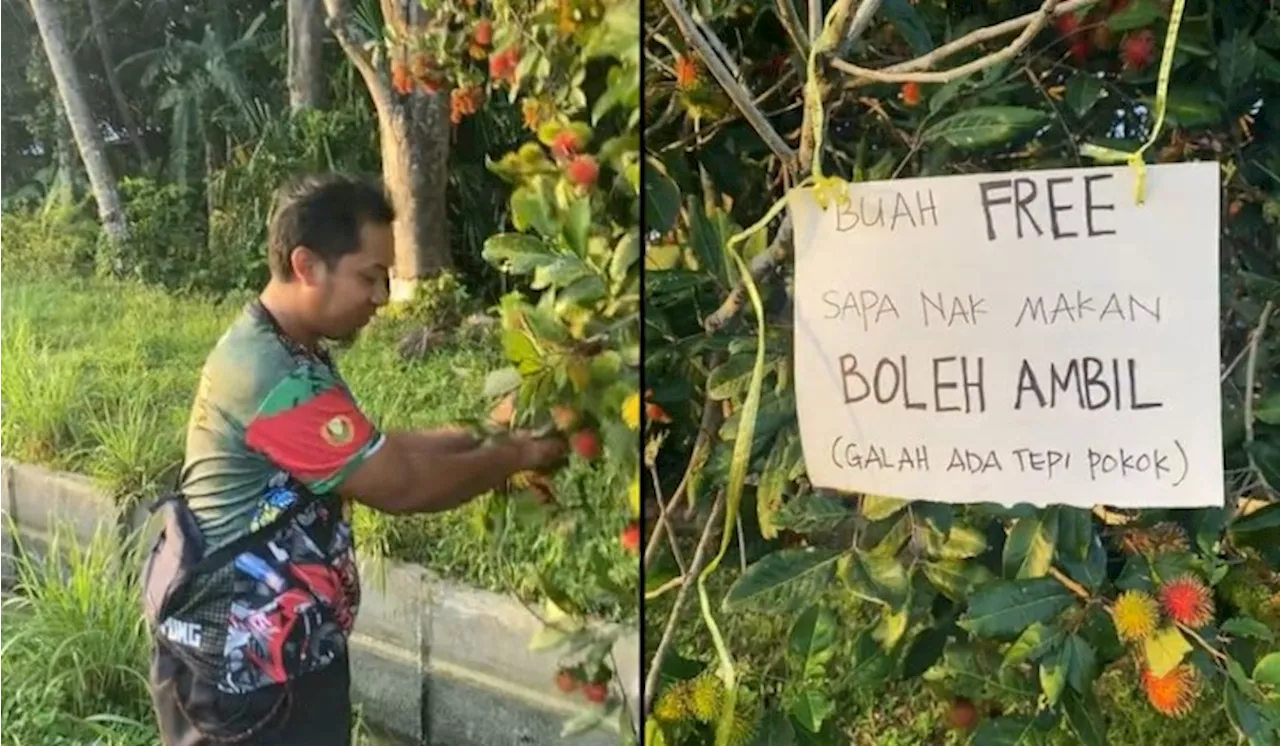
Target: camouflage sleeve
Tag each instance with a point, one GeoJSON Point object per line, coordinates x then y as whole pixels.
{"type": "Point", "coordinates": [310, 426]}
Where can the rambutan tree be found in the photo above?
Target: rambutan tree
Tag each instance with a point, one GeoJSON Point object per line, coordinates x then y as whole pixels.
{"type": "Point", "coordinates": [570, 329]}
{"type": "Point", "coordinates": [1010, 616]}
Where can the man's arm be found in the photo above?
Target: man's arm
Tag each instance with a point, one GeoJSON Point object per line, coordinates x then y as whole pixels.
{"type": "Point", "coordinates": [417, 473]}
{"type": "Point", "coordinates": [441, 440]}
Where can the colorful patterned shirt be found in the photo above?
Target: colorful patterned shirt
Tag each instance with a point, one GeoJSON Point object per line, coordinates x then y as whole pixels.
{"type": "Point", "coordinates": [266, 409]}
{"type": "Point", "coordinates": [273, 427]}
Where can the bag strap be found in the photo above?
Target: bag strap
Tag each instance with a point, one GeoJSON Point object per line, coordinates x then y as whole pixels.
{"type": "Point", "coordinates": [229, 551]}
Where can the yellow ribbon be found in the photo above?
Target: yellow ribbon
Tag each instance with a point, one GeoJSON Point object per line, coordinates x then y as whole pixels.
{"type": "Point", "coordinates": [826, 189]}
{"type": "Point", "coordinates": [1136, 159]}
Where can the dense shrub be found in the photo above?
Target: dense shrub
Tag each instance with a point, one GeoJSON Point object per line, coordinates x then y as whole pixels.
{"type": "Point", "coordinates": [57, 239]}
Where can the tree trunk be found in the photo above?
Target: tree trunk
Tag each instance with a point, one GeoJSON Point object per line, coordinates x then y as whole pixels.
{"type": "Point", "coordinates": [113, 81]}
{"type": "Point", "coordinates": [88, 136]}
{"type": "Point", "coordinates": [306, 73]}
{"type": "Point", "coordinates": [64, 148]}
{"type": "Point", "coordinates": [414, 136]}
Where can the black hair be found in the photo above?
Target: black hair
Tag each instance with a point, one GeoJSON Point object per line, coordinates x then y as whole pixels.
{"type": "Point", "coordinates": [323, 212]}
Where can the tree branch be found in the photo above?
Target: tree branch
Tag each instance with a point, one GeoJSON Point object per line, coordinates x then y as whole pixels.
{"type": "Point", "coordinates": [740, 96]}
{"type": "Point", "coordinates": [909, 71]}
{"type": "Point", "coordinates": [790, 20]}
{"type": "Point", "coordinates": [706, 428]}
{"type": "Point", "coordinates": [1250, 371]}
{"type": "Point", "coordinates": [338, 21]}
{"type": "Point", "coordinates": [700, 559]}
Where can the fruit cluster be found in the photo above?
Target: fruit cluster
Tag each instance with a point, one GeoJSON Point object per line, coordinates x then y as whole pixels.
{"type": "Point", "coordinates": [1090, 32]}
{"type": "Point", "coordinates": [595, 690]}
{"type": "Point", "coordinates": [1085, 33]}
{"type": "Point", "coordinates": [1184, 600]}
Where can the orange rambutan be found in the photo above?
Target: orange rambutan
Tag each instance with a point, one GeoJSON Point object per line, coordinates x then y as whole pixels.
{"type": "Point", "coordinates": [687, 72]}
{"type": "Point", "coordinates": [1173, 694]}
{"type": "Point", "coordinates": [1187, 600]}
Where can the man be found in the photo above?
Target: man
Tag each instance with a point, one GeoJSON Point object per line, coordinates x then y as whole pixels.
{"type": "Point", "coordinates": [252, 589]}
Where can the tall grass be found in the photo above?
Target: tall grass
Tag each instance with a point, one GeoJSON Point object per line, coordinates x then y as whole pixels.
{"type": "Point", "coordinates": [75, 649]}
{"type": "Point", "coordinates": [98, 378]}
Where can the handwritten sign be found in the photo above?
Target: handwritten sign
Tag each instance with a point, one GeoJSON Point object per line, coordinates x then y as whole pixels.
{"type": "Point", "coordinates": [1022, 337]}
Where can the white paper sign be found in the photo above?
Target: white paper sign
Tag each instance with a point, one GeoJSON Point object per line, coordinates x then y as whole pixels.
{"type": "Point", "coordinates": [1027, 337]}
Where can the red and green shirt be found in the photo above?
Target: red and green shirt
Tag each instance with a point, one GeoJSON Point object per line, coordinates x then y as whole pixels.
{"type": "Point", "coordinates": [266, 410]}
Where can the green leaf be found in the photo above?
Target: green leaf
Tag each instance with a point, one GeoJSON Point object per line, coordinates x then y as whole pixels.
{"type": "Point", "coordinates": [577, 226]}
{"type": "Point", "coordinates": [879, 577]}
{"type": "Point", "coordinates": [976, 672]}
{"type": "Point", "coordinates": [1093, 570]}
{"type": "Point", "coordinates": [625, 254]}
{"type": "Point", "coordinates": [1075, 533]}
{"type": "Point", "coordinates": [1237, 60]}
{"type": "Point", "coordinates": [1034, 643]}
{"type": "Point", "coordinates": [810, 709]}
{"type": "Point", "coordinates": [1267, 672]}
{"type": "Point", "coordinates": [1002, 731]}
{"type": "Point", "coordinates": [1005, 608]}
{"type": "Point", "coordinates": [947, 93]}
{"type": "Point", "coordinates": [501, 382]}
{"type": "Point", "coordinates": [812, 635]}
{"type": "Point", "coordinates": [902, 14]}
{"type": "Point", "coordinates": [1246, 627]}
{"type": "Point", "coordinates": [871, 664]}
{"type": "Point", "coordinates": [520, 350]}
{"type": "Point", "coordinates": [560, 272]}
{"type": "Point", "coordinates": [891, 627]}
{"type": "Point", "coordinates": [962, 542]}
{"type": "Point", "coordinates": [661, 200]}
{"type": "Point", "coordinates": [776, 571]}
{"type": "Point", "coordinates": [581, 292]}
{"type": "Point", "coordinates": [772, 482]}
{"type": "Point", "coordinates": [775, 730]}
{"type": "Point", "coordinates": [1053, 678]}
{"type": "Point", "coordinates": [956, 577]}
{"type": "Point", "coordinates": [529, 209]}
{"type": "Point", "coordinates": [1080, 663]}
{"type": "Point", "coordinates": [1266, 455]}
{"type": "Point", "coordinates": [1083, 91]}
{"type": "Point", "coordinates": [517, 253]}
{"type": "Point", "coordinates": [1084, 717]}
{"type": "Point", "coordinates": [877, 508]}
{"type": "Point", "coordinates": [983, 126]}
{"type": "Point", "coordinates": [1164, 650]}
{"type": "Point", "coordinates": [1262, 519]}
{"type": "Point", "coordinates": [1028, 552]}
{"type": "Point", "coordinates": [1268, 410]}
{"type": "Point", "coordinates": [731, 378]}
{"type": "Point", "coordinates": [1248, 718]}
{"type": "Point", "coordinates": [814, 511]}
{"type": "Point", "coordinates": [1138, 14]}
{"type": "Point", "coordinates": [1191, 107]}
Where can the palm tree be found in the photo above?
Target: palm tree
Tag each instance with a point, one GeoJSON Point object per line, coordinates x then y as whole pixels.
{"type": "Point", "coordinates": [84, 127]}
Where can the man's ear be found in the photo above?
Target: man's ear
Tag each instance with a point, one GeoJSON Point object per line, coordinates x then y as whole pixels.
{"type": "Point", "coordinates": [307, 266]}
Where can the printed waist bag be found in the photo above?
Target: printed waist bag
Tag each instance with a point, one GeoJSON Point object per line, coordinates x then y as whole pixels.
{"type": "Point", "coordinates": [270, 606]}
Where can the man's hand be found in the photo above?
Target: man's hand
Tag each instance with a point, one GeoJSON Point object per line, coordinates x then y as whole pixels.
{"type": "Point", "coordinates": [541, 454]}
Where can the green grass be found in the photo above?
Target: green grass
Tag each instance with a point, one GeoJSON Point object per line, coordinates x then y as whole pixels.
{"type": "Point", "coordinates": [98, 378]}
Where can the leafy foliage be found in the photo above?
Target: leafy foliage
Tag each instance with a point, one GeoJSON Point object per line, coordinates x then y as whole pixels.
{"type": "Point", "coordinates": [1007, 612]}
{"type": "Point", "coordinates": [571, 332]}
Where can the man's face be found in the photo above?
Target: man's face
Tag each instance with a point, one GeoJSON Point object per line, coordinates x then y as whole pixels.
{"type": "Point", "coordinates": [345, 297]}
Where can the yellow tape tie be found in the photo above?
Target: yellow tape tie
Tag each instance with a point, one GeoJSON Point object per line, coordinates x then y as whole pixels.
{"type": "Point", "coordinates": [1136, 159]}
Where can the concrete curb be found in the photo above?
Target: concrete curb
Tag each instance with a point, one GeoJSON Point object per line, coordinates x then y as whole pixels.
{"type": "Point", "coordinates": [418, 636]}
